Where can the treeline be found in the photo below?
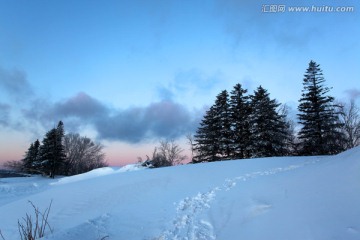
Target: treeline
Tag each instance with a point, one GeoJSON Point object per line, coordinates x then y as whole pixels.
{"type": "Point", "coordinates": [60, 154]}
{"type": "Point", "coordinates": [241, 125]}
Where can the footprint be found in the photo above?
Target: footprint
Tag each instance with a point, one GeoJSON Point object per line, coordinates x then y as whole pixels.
{"type": "Point", "coordinates": [229, 184]}
{"type": "Point", "coordinates": [205, 230]}
{"type": "Point", "coordinates": [259, 209]}
{"type": "Point", "coordinates": [256, 209]}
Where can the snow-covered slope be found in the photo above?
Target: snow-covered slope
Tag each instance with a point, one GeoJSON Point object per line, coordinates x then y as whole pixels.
{"type": "Point", "coordinates": [269, 198]}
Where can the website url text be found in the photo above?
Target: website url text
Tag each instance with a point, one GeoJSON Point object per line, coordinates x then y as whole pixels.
{"type": "Point", "coordinates": [280, 8]}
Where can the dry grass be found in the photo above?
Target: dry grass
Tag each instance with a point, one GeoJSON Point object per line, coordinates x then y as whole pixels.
{"type": "Point", "coordinates": [31, 229]}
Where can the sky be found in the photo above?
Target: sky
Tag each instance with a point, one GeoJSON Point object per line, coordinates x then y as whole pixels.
{"type": "Point", "coordinates": [129, 73]}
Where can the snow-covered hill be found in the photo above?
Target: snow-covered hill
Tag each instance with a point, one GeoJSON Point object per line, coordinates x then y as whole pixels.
{"type": "Point", "coordinates": [268, 198]}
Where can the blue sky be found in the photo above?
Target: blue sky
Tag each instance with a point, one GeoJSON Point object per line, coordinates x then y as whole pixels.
{"type": "Point", "coordinates": [128, 73]}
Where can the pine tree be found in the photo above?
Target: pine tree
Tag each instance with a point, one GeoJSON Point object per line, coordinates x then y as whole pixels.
{"type": "Point", "coordinates": [36, 150]}
{"type": "Point", "coordinates": [240, 125]}
{"type": "Point", "coordinates": [60, 148]}
{"type": "Point", "coordinates": [27, 160]}
{"type": "Point", "coordinates": [52, 153]}
{"type": "Point", "coordinates": [213, 137]}
{"type": "Point", "coordinates": [268, 130]}
{"type": "Point", "coordinates": [206, 139]}
{"type": "Point", "coordinates": [320, 133]}
{"type": "Point", "coordinates": [31, 157]}
{"type": "Point", "coordinates": [47, 152]}
{"type": "Point", "coordinates": [223, 121]}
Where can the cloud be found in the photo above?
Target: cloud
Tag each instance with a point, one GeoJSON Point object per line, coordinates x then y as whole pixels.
{"type": "Point", "coordinates": [77, 111]}
{"type": "Point", "coordinates": [194, 78]}
{"type": "Point", "coordinates": [15, 92]}
{"type": "Point", "coordinates": [4, 114]}
{"type": "Point", "coordinates": [164, 119]}
{"type": "Point", "coordinates": [189, 83]}
{"type": "Point", "coordinates": [353, 93]}
{"type": "Point", "coordinates": [245, 22]}
{"type": "Point", "coordinates": [81, 106]}
{"type": "Point", "coordinates": [166, 93]}
{"type": "Point", "coordinates": [15, 84]}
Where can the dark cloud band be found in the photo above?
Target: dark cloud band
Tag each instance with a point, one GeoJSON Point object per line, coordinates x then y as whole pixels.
{"type": "Point", "coordinates": [164, 119]}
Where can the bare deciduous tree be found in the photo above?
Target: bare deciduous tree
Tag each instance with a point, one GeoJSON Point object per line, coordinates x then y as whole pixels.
{"type": "Point", "coordinates": [350, 117]}
{"type": "Point", "coordinates": [167, 154]}
{"type": "Point", "coordinates": [171, 151]}
{"type": "Point", "coordinates": [291, 140]}
{"type": "Point", "coordinates": [82, 154]}
{"type": "Point", "coordinates": [14, 165]}
{"type": "Point", "coordinates": [157, 160]}
{"type": "Point", "coordinates": [190, 141]}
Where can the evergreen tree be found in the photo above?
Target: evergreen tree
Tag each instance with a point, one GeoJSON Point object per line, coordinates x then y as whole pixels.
{"type": "Point", "coordinates": [240, 125]}
{"type": "Point", "coordinates": [213, 137]}
{"type": "Point", "coordinates": [223, 121]}
{"type": "Point", "coordinates": [47, 153]}
{"type": "Point", "coordinates": [28, 160]}
{"type": "Point", "coordinates": [320, 133]}
{"type": "Point", "coordinates": [268, 129]}
{"type": "Point", "coordinates": [31, 157]}
{"type": "Point", "coordinates": [206, 138]}
{"type": "Point", "coordinates": [60, 147]}
{"type": "Point", "coordinates": [52, 154]}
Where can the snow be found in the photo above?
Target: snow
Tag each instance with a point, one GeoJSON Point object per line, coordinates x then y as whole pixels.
{"type": "Point", "coordinates": [97, 173]}
{"type": "Point", "coordinates": [265, 198]}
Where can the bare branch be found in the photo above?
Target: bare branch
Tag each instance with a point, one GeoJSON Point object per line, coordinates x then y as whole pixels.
{"type": "Point", "coordinates": [82, 154]}
{"type": "Point", "coordinates": [350, 118]}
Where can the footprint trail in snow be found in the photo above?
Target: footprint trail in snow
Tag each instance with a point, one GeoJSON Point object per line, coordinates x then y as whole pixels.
{"type": "Point", "coordinates": [188, 225]}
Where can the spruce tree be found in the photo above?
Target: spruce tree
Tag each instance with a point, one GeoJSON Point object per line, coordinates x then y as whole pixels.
{"type": "Point", "coordinates": [268, 129]}
{"type": "Point", "coordinates": [36, 151]}
{"type": "Point", "coordinates": [31, 157]}
{"type": "Point", "coordinates": [27, 160]}
{"type": "Point", "coordinates": [60, 148]}
{"type": "Point", "coordinates": [223, 121]}
{"type": "Point", "coordinates": [320, 132]}
{"type": "Point", "coordinates": [206, 139]}
{"type": "Point", "coordinates": [47, 153]}
{"type": "Point", "coordinates": [52, 154]}
{"type": "Point", "coordinates": [213, 137]}
{"type": "Point", "coordinates": [240, 125]}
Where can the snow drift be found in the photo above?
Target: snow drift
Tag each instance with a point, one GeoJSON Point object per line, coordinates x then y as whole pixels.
{"type": "Point", "coordinates": [266, 198]}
